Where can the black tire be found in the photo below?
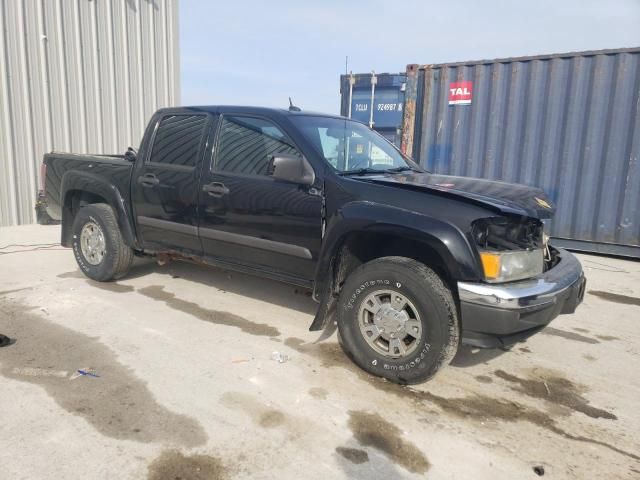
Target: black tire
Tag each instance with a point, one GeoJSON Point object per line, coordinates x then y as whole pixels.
{"type": "Point", "coordinates": [438, 342]}
{"type": "Point", "coordinates": [118, 256]}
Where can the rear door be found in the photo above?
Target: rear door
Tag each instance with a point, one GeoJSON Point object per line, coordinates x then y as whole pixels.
{"type": "Point", "coordinates": [249, 218]}
{"type": "Point", "coordinates": [165, 183]}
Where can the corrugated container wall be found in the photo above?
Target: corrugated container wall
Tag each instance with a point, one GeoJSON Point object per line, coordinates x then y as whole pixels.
{"type": "Point", "coordinates": [375, 99]}
{"type": "Point", "coordinates": [81, 76]}
{"type": "Point", "coordinates": [567, 123]}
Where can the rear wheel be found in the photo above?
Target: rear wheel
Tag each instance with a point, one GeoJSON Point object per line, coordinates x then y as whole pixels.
{"type": "Point", "coordinates": [98, 245]}
{"type": "Point", "coordinates": [398, 320]}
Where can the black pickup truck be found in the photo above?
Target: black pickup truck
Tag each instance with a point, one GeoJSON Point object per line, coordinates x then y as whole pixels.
{"type": "Point", "coordinates": [404, 263]}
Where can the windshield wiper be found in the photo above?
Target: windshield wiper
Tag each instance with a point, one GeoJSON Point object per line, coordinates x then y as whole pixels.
{"type": "Point", "coordinates": [366, 170]}
{"type": "Point", "coordinates": [403, 168]}
{"type": "Point", "coordinates": [361, 171]}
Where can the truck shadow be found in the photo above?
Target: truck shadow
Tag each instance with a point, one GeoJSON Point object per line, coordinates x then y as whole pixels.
{"type": "Point", "coordinates": [469, 356]}
{"type": "Point", "coordinates": [258, 288]}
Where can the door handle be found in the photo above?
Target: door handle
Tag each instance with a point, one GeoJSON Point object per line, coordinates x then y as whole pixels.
{"type": "Point", "coordinates": [215, 189]}
{"type": "Point", "coordinates": [148, 180]}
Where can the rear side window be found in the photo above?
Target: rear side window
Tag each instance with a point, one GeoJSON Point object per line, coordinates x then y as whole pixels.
{"type": "Point", "coordinates": [247, 144]}
{"type": "Point", "coordinates": [177, 140]}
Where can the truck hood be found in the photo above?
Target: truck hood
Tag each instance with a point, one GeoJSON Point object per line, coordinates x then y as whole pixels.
{"type": "Point", "coordinates": [504, 197]}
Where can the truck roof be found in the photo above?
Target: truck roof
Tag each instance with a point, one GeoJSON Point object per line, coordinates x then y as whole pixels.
{"type": "Point", "coordinates": [245, 109]}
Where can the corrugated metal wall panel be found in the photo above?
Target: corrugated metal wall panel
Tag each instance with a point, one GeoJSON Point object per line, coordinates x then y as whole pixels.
{"type": "Point", "coordinates": [567, 123]}
{"type": "Point", "coordinates": [81, 76]}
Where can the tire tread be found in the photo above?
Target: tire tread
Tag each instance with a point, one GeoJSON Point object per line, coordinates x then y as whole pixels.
{"type": "Point", "coordinates": [123, 254]}
{"type": "Point", "coordinates": [433, 280]}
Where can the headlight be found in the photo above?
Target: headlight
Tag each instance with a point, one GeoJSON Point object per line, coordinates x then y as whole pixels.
{"type": "Point", "coordinates": [511, 265]}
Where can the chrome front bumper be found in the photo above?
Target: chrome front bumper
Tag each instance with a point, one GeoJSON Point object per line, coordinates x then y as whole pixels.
{"type": "Point", "coordinates": [495, 315]}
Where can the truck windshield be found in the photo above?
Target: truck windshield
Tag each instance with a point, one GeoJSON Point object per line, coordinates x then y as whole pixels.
{"type": "Point", "coordinates": [351, 147]}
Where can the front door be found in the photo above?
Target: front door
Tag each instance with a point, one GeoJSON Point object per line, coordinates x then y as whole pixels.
{"type": "Point", "coordinates": [249, 218]}
{"type": "Point", "coordinates": [165, 184]}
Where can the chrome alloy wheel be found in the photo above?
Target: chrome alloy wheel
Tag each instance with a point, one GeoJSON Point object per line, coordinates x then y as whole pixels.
{"type": "Point", "coordinates": [92, 243]}
{"type": "Point", "coordinates": [390, 323]}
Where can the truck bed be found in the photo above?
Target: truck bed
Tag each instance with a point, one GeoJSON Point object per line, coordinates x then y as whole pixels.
{"type": "Point", "coordinates": [60, 166]}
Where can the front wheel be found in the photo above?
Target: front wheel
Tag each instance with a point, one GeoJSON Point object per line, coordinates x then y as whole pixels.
{"type": "Point", "coordinates": [397, 319]}
{"type": "Point", "coordinates": [98, 245]}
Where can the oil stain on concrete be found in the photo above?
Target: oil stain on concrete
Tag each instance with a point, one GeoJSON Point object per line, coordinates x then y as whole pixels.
{"type": "Point", "coordinates": [616, 297]}
{"type": "Point", "coordinates": [556, 389]}
{"type": "Point", "coordinates": [174, 465]}
{"type": "Point", "coordinates": [483, 407]}
{"type": "Point", "coordinates": [261, 414]}
{"type": "Point", "coordinates": [371, 430]}
{"type": "Point", "coordinates": [319, 393]}
{"type": "Point", "coordinates": [117, 403]}
{"type": "Point", "coordinates": [473, 407]}
{"type": "Point", "coordinates": [158, 292]}
{"type": "Point", "coordinates": [483, 378]}
{"type": "Point", "coordinates": [354, 455]}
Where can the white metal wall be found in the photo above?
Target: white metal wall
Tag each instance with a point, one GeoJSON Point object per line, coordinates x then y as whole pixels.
{"type": "Point", "coordinates": [81, 76]}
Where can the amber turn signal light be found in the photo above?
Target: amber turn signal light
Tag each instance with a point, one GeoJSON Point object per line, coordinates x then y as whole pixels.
{"type": "Point", "coordinates": [490, 265]}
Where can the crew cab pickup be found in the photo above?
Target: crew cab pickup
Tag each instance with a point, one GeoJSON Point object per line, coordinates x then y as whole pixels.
{"type": "Point", "coordinates": [405, 264]}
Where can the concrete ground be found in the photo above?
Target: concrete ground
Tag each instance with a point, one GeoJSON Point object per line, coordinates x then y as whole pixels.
{"type": "Point", "coordinates": [180, 383]}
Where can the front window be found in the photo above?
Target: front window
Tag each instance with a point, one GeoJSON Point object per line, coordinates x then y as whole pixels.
{"type": "Point", "coordinates": [247, 143]}
{"type": "Point", "coordinates": [350, 146]}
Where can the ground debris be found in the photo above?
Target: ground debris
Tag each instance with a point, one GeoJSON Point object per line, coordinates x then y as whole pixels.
{"type": "Point", "coordinates": [280, 357]}
{"type": "Point", "coordinates": [84, 372]}
{"type": "Point", "coordinates": [538, 470]}
{"type": "Point", "coordinates": [240, 360]}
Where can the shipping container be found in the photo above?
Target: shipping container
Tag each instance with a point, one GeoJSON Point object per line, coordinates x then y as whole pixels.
{"type": "Point", "coordinates": [569, 123]}
{"type": "Point", "coordinates": [78, 76]}
{"type": "Point", "coordinates": [375, 99]}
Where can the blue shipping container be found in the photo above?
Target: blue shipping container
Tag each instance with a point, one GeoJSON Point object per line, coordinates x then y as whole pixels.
{"type": "Point", "coordinates": [385, 99]}
{"type": "Point", "coordinates": [569, 123]}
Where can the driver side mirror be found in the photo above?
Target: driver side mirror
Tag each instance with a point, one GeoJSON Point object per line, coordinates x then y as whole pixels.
{"type": "Point", "coordinates": [131, 155]}
{"type": "Point", "coordinates": [291, 168]}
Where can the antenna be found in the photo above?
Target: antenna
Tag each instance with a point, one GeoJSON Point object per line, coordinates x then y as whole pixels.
{"type": "Point", "coordinates": [292, 107]}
